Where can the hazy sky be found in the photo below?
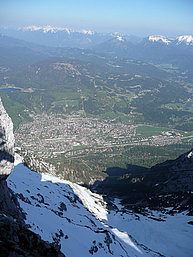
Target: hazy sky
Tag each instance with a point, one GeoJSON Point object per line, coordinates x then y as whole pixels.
{"type": "Point", "coordinates": [140, 17]}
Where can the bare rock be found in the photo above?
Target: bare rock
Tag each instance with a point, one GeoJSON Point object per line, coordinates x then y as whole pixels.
{"type": "Point", "coordinates": [7, 142]}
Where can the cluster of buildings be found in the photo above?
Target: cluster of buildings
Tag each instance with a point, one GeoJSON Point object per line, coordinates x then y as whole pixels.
{"type": "Point", "coordinates": [51, 135]}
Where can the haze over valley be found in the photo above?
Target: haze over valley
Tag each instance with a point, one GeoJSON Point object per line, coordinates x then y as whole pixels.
{"type": "Point", "coordinates": [72, 107]}
{"type": "Point", "coordinates": [96, 128]}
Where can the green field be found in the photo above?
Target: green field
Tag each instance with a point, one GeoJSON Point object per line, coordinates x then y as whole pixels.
{"type": "Point", "coordinates": [147, 131]}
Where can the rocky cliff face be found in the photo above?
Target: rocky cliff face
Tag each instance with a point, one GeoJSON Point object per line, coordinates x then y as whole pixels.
{"type": "Point", "coordinates": [6, 143]}
{"type": "Point", "coordinates": [15, 238]}
{"type": "Point", "coordinates": [8, 203]}
{"type": "Point", "coordinates": [183, 162]}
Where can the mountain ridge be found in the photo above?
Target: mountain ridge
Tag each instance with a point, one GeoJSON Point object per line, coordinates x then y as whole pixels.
{"type": "Point", "coordinates": [83, 38]}
{"type": "Point", "coordinates": [165, 185]}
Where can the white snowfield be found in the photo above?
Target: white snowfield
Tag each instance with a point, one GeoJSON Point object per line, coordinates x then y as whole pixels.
{"type": "Point", "coordinates": [119, 38]}
{"type": "Point", "coordinates": [51, 29]}
{"type": "Point", "coordinates": [159, 38]}
{"type": "Point", "coordinates": [81, 223]}
{"type": "Point", "coordinates": [188, 40]}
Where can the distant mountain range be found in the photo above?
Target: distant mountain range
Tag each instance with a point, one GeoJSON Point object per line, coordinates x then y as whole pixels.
{"type": "Point", "coordinates": [154, 49]}
{"type": "Point", "coordinates": [113, 58]}
{"type": "Point", "coordinates": [181, 40]}
{"type": "Point", "coordinates": [57, 37]}
{"type": "Point", "coordinates": [142, 211]}
{"type": "Point", "coordinates": [62, 37]}
{"type": "Point", "coordinates": [177, 52]}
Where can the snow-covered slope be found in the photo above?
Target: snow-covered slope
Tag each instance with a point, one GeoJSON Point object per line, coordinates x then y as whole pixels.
{"type": "Point", "coordinates": [57, 213]}
{"type": "Point", "coordinates": [84, 225]}
{"type": "Point", "coordinates": [53, 29]}
{"type": "Point", "coordinates": [159, 38]}
{"type": "Point", "coordinates": [45, 29]}
{"type": "Point", "coordinates": [187, 40]}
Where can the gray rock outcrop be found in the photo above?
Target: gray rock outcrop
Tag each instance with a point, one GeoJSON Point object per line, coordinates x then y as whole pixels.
{"type": "Point", "coordinates": [8, 202]}
{"type": "Point", "coordinates": [7, 142]}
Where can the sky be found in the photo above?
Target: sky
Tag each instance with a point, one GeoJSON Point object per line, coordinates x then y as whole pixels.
{"type": "Point", "coordinates": [139, 17]}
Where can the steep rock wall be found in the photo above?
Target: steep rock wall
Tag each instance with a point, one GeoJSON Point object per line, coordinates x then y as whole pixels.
{"type": "Point", "coordinates": [7, 142]}
{"type": "Point", "coordinates": [8, 202]}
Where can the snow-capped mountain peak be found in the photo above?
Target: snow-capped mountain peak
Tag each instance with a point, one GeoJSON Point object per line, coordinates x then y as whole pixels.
{"type": "Point", "coordinates": [119, 38]}
{"type": "Point", "coordinates": [87, 32]}
{"type": "Point", "coordinates": [188, 40]}
{"type": "Point", "coordinates": [159, 38]}
{"type": "Point", "coordinates": [52, 29]}
{"type": "Point", "coordinates": [45, 29]}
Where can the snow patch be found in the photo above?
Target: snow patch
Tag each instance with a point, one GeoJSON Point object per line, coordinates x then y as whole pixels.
{"type": "Point", "coordinates": [119, 38]}
{"type": "Point", "coordinates": [159, 39]}
{"type": "Point", "coordinates": [124, 236]}
{"type": "Point", "coordinates": [49, 28]}
{"type": "Point", "coordinates": [93, 202]}
{"type": "Point", "coordinates": [87, 32]}
{"type": "Point", "coordinates": [18, 159]}
{"type": "Point", "coordinates": [190, 155]}
{"type": "Point", "coordinates": [188, 40]}
{"type": "Point", "coordinates": [45, 29]}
